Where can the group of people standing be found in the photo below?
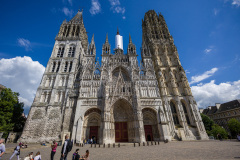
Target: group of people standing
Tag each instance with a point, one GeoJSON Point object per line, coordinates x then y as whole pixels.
{"type": "Point", "coordinates": [66, 148]}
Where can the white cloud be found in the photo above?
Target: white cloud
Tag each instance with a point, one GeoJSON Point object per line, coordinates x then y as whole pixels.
{"type": "Point", "coordinates": [209, 50]}
{"type": "Point", "coordinates": [24, 43]}
{"type": "Point", "coordinates": [215, 11]}
{"type": "Point", "coordinates": [22, 75]}
{"type": "Point", "coordinates": [116, 7]}
{"type": "Point", "coordinates": [205, 75]}
{"type": "Point", "coordinates": [210, 93]}
{"type": "Point", "coordinates": [236, 2]}
{"type": "Point", "coordinates": [95, 8]}
{"type": "Point", "coordinates": [119, 10]}
{"type": "Point", "coordinates": [114, 2]}
{"type": "Point", "coordinates": [67, 12]}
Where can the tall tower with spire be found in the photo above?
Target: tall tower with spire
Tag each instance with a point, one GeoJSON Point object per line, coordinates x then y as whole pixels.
{"type": "Point", "coordinates": [116, 100]}
{"type": "Point", "coordinates": [178, 101]}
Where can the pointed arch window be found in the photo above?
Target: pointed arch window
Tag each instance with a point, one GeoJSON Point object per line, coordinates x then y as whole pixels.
{"type": "Point", "coordinates": [70, 67]}
{"type": "Point", "coordinates": [174, 113]}
{"type": "Point", "coordinates": [54, 66]}
{"type": "Point", "coordinates": [60, 51]}
{"type": "Point", "coordinates": [58, 66]}
{"type": "Point", "coordinates": [185, 112]}
{"type": "Point", "coordinates": [71, 51]}
{"type": "Point", "coordinates": [66, 66]}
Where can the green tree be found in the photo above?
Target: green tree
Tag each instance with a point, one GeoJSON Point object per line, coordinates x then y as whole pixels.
{"type": "Point", "coordinates": [10, 111]}
{"type": "Point", "coordinates": [208, 123]}
{"type": "Point", "coordinates": [216, 129]}
{"type": "Point", "coordinates": [234, 126]}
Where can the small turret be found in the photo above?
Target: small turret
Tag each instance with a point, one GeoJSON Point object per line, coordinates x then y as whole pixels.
{"type": "Point", "coordinates": [106, 47]}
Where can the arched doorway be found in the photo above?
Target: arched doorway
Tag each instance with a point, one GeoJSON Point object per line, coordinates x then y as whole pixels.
{"type": "Point", "coordinates": [150, 124]}
{"type": "Point", "coordinates": [91, 125]}
{"type": "Point", "coordinates": [122, 118]}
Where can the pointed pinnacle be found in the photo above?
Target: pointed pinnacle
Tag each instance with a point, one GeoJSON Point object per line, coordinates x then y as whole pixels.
{"type": "Point", "coordinates": [92, 41]}
{"type": "Point", "coordinates": [130, 39]}
{"type": "Point", "coordinates": [117, 31]}
{"type": "Point", "coordinates": [106, 41]}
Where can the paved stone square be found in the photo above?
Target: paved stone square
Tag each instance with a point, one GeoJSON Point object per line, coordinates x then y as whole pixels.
{"type": "Point", "coordinates": [173, 150]}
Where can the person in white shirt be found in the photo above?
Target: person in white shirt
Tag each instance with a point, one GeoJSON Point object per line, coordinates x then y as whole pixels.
{"type": "Point", "coordinates": [16, 152]}
{"type": "Point", "coordinates": [38, 156]}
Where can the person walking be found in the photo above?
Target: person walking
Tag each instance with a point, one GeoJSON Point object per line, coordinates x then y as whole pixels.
{"type": "Point", "coordinates": [2, 147]}
{"type": "Point", "coordinates": [38, 156]}
{"type": "Point", "coordinates": [67, 147]}
{"type": "Point", "coordinates": [54, 148]}
{"type": "Point", "coordinates": [16, 152]}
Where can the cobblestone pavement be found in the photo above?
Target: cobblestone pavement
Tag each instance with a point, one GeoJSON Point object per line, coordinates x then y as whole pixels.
{"type": "Point", "coordinates": [173, 150]}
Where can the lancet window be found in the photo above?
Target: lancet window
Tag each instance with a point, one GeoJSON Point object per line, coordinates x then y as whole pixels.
{"type": "Point", "coordinates": [174, 113]}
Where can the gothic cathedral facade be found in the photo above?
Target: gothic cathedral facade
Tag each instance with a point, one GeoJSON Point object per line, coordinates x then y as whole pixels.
{"type": "Point", "coordinates": [116, 100]}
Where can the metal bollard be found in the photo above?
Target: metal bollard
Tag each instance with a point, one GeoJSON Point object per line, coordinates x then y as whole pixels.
{"type": "Point", "coordinates": [91, 145]}
{"type": "Point", "coordinates": [99, 145]}
{"type": "Point", "coordinates": [147, 143]}
{"type": "Point", "coordinates": [143, 143]}
{"type": "Point", "coordinates": [108, 145]}
{"type": "Point", "coordinates": [104, 145]}
{"type": "Point", "coordinates": [113, 145]}
{"type": "Point", "coordinates": [158, 142]}
{"type": "Point", "coordinates": [134, 144]}
{"type": "Point", "coordinates": [118, 145]}
{"type": "Point", "coordinates": [151, 142]}
{"type": "Point", "coordinates": [155, 143]}
{"type": "Point", "coordinates": [95, 145]}
{"type": "Point", "coordinates": [139, 144]}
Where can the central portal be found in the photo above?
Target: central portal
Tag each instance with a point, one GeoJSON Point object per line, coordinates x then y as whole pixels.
{"type": "Point", "coordinates": [121, 132]}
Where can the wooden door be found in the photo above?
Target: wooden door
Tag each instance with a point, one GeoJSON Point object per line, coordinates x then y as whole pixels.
{"type": "Point", "coordinates": [148, 132]}
{"type": "Point", "coordinates": [121, 132]}
{"type": "Point", "coordinates": [93, 133]}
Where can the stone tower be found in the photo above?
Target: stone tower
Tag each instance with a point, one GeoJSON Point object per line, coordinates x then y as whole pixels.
{"type": "Point", "coordinates": [178, 101]}
{"type": "Point", "coordinates": [117, 101]}
{"type": "Point", "coordinates": [52, 110]}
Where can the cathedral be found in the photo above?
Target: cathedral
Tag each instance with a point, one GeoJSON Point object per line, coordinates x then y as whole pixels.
{"type": "Point", "coordinates": [119, 99]}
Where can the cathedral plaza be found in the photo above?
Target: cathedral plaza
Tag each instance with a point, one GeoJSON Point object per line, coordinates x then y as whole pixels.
{"type": "Point", "coordinates": [208, 150]}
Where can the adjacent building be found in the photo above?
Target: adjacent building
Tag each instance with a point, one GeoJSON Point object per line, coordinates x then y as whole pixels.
{"type": "Point", "coordinates": [222, 113]}
{"type": "Point", "coordinates": [116, 100]}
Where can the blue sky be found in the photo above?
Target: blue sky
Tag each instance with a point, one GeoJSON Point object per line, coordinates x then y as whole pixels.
{"type": "Point", "coordinates": [206, 33]}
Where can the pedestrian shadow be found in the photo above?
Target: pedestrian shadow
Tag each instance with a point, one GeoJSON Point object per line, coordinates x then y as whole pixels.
{"type": "Point", "coordinates": [237, 157]}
